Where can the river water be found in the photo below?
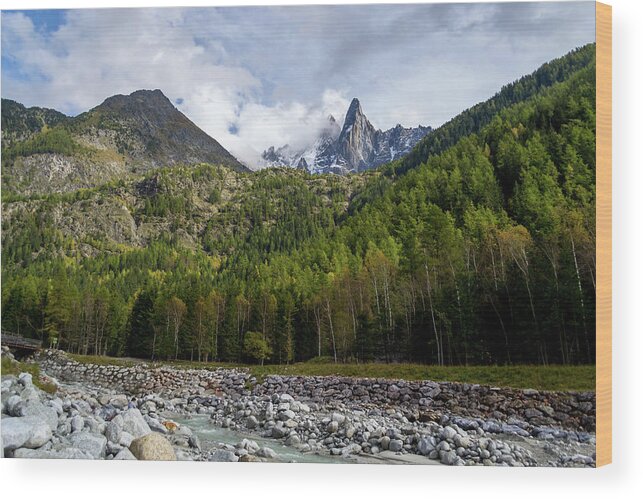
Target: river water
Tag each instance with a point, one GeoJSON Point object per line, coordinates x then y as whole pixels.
{"type": "Point", "coordinates": [210, 435]}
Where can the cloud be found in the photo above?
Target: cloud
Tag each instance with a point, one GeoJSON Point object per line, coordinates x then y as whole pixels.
{"type": "Point", "coordinates": [258, 76]}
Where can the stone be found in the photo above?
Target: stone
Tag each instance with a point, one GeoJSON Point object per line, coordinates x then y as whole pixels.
{"type": "Point", "coordinates": [395, 445]}
{"type": "Point", "coordinates": [448, 433]}
{"type": "Point", "coordinates": [426, 445]}
{"type": "Point", "coordinates": [532, 413]}
{"type": "Point", "coordinates": [134, 424]}
{"type": "Point", "coordinates": [57, 405]}
{"type": "Point", "coordinates": [267, 452]}
{"type": "Point", "coordinates": [194, 442]}
{"type": "Point", "coordinates": [278, 432]}
{"type": "Point", "coordinates": [152, 447]}
{"type": "Point", "coordinates": [107, 412]}
{"type": "Point", "coordinates": [12, 406]}
{"type": "Point", "coordinates": [25, 379]}
{"type": "Point", "coordinates": [286, 415]}
{"type": "Point", "coordinates": [125, 455]}
{"type": "Point", "coordinates": [223, 456]}
{"type": "Point", "coordinates": [35, 408]}
{"type": "Point", "coordinates": [30, 394]}
{"type": "Point", "coordinates": [113, 448]}
{"type": "Point", "coordinates": [77, 423]}
{"type": "Point", "coordinates": [89, 443]}
{"type": "Point", "coordinates": [155, 425]}
{"type": "Point", "coordinates": [462, 441]}
{"type": "Point", "coordinates": [448, 457]}
{"type": "Point", "coordinates": [293, 440]}
{"type": "Point", "coordinates": [126, 439]}
{"type": "Point", "coordinates": [118, 420]}
{"type": "Point", "coordinates": [340, 418]}
{"type": "Point", "coordinates": [252, 423]}
{"type": "Point", "coordinates": [28, 431]}
{"type": "Point", "coordinates": [113, 432]}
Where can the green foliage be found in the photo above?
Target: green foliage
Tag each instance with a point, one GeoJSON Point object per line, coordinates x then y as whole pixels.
{"type": "Point", "coordinates": [256, 347]}
{"type": "Point", "coordinates": [482, 253]}
{"type": "Point", "coordinates": [56, 140]}
{"type": "Point", "coordinates": [15, 368]}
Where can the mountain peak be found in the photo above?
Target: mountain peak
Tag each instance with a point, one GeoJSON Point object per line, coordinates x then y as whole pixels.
{"type": "Point", "coordinates": [359, 146]}
{"type": "Point", "coordinates": [138, 99]}
{"type": "Point", "coordinates": [354, 109]}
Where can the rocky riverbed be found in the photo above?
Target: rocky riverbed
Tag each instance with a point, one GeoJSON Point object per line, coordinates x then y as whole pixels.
{"type": "Point", "coordinates": [140, 412]}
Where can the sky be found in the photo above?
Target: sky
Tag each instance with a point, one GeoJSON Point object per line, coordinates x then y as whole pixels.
{"type": "Point", "coordinates": [253, 77]}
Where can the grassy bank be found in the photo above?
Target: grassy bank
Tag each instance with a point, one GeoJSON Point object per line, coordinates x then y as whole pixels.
{"type": "Point", "coordinates": [15, 368]}
{"type": "Point", "coordinates": [574, 378]}
{"type": "Point", "coordinates": [555, 377]}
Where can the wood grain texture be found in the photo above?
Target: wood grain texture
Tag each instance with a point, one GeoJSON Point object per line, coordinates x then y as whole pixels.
{"type": "Point", "coordinates": [603, 234]}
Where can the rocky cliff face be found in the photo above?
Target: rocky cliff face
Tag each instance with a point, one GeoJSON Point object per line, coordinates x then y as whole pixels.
{"type": "Point", "coordinates": [358, 146]}
{"type": "Point", "coordinates": [358, 140]}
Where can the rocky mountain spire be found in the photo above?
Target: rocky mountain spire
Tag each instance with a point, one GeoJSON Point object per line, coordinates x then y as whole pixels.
{"type": "Point", "coordinates": [356, 147]}
{"type": "Point", "coordinates": [356, 142]}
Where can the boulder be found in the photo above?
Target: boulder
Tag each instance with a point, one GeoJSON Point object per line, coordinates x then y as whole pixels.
{"type": "Point", "coordinates": [119, 401]}
{"type": "Point", "coordinates": [126, 439]}
{"type": "Point", "coordinates": [395, 445]}
{"type": "Point", "coordinates": [92, 444]}
{"type": "Point", "coordinates": [152, 447]}
{"type": "Point", "coordinates": [426, 445]}
{"type": "Point", "coordinates": [77, 423]}
{"type": "Point", "coordinates": [42, 412]}
{"type": "Point", "coordinates": [28, 431]}
{"type": "Point", "coordinates": [25, 379]}
{"type": "Point", "coordinates": [267, 452]}
{"type": "Point", "coordinates": [113, 432]}
{"type": "Point", "coordinates": [223, 456]}
{"type": "Point", "coordinates": [125, 455]}
{"type": "Point", "coordinates": [252, 423]}
{"type": "Point", "coordinates": [134, 424]}
{"type": "Point", "coordinates": [155, 425]}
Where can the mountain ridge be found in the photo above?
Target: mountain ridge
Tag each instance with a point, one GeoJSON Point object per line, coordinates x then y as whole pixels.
{"type": "Point", "coordinates": [355, 147]}
{"type": "Point", "coordinates": [45, 151]}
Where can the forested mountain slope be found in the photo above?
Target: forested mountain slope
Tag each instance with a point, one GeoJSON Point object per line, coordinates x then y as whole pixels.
{"type": "Point", "coordinates": [472, 120]}
{"type": "Point", "coordinates": [483, 253]}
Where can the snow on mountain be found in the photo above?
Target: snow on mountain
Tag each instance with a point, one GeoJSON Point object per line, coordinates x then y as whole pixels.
{"type": "Point", "coordinates": [358, 146]}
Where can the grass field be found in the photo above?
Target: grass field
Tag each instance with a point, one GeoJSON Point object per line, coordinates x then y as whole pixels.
{"type": "Point", "coordinates": [554, 377]}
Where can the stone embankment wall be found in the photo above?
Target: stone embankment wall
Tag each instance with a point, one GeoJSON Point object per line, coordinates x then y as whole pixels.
{"type": "Point", "coordinates": [423, 400]}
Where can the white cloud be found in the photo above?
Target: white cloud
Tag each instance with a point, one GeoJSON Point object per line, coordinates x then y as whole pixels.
{"type": "Point", "coordinates": [256, 77]}
{"type": "Point", "coordinates": [97, 54]}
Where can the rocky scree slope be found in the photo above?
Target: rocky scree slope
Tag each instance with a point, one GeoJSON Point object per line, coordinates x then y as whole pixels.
{"type": "Point", "coordinates": [202, 206]}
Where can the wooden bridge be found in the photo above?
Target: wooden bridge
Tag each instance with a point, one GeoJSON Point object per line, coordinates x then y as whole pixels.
{"type": "Point", "coordinates": [18, 342]}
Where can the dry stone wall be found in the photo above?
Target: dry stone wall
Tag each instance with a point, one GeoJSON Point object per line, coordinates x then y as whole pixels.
{"type": "Point", "coordinates": [419, 400]}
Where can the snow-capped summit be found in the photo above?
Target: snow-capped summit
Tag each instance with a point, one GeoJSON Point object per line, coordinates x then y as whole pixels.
{"type": "Point", "coordinates": [358, 146]}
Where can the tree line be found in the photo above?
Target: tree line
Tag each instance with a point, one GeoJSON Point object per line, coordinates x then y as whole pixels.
{"type": "Point", "coordinates": [481, 254]}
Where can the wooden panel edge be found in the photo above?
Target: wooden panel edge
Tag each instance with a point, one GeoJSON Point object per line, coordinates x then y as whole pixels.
{"type": "Point", "coordinates": [603, 234]}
